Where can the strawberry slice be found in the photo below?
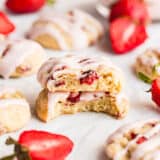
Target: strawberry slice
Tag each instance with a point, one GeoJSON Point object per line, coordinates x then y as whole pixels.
{"type": "Point", "coordinates": [40, 145]}
{"type": "Point", "coordinates": [6, 26]}
{"type": "Point", "coordinates": [45, 146]}
{"type": "Point", "coordinates": [126, 35]}
{"type": "Point", "coordinates": [135, 9]}
{"type": "Point", "coordinates": [155, 90]}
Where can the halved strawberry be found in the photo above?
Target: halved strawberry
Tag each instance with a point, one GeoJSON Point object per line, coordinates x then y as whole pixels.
{"type": "Point", "coordinates": [45, 146]}
{"type": "Point", "coordinates": [40, 145]}
{"type": "Point", "coordinates": [135, 9]}
{"type": "Point", "coordinates": [155, 90]}
{"type": "Point", "coordinates": [126, 35]}
{"type": "Point", "coordinates": [6, 26]}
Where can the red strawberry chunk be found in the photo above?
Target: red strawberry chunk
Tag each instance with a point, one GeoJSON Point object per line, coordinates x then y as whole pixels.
{"type": "Point", "coordinates": [46, 146]}
{"type": "Point", "coordinates": [155, 89]}
{"type": "Point", "coordinates": [141, 140]}
{"type": "Point", "coordinates": [126, 35]}
{"type": "Point", "coordinates": [88, 77]}
{"type": "Point", "coordinates": [74, 97]}
{"type": "Point", "coordinates": [135, 9]}
{"type": "Point", "coordinates": [6, 26]}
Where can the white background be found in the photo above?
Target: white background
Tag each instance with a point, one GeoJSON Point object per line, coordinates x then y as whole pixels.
{"type": "Point", "coordinates": [89, 131]}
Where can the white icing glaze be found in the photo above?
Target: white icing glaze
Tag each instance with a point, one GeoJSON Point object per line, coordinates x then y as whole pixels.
{"type": "Point", "coordinates": [141, 148]}
{"type": "Point", "coordinates": [149, 60]}
{"type": "Point", "coordinates": [13, 101]}
{"type": "Point", "coordinates": [51, 67]}
{"type": "Point", "coordinates": [4, 90]}
{"type": "Point", "coordinates": [18, 51]}
{"type": "Point", "coordinates": [88, 96]}
{"type": "Point", "coordinates": [74, 24]}
{"type": "Point", "coordinates": [53, 98]}
{"type": "Point", "coordinates": [147, 146]}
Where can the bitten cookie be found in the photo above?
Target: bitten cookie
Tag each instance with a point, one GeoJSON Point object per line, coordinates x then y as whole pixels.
{"type": "Point", "coordinates": [137, 141]}
{"type": "Point", "coordinates": [50, 105]}
{"type": "Point", "coordinates": [20, 58]}
{"type": "Point", "coordinates": [147, 65]}
{"type": "Point", "coordinates": [80, 73]}
{"type": "Point", "coordinates": [72, 30]}
{"type": "Point", "coordinates": [14, 110]}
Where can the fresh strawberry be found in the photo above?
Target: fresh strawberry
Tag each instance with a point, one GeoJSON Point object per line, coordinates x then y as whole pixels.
{"type": "Point", "coordinates": [135, 9]}
{"type": "Point", "coordinates": [24, 6]}
{"type": "Point", "coordinates": [6, 26]}
{"type": "Point", "coordinates": [155, 90]}
{"type": "Point", "coordinates": [40, 145]}
{"type": "Point", "coordinates": [126, 35]}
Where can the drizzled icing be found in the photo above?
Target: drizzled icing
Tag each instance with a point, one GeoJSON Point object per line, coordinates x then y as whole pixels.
{"type": "Point", "coordinates": [10, 101]}
{"type": "Point", "coordinates": [152, 142]}
{"type": "Point", "coordinates": [72, 64]}
{"type": "Point", "coordinates": [16, 52]}
{"type": "Point", "coordinates": [75, 23]}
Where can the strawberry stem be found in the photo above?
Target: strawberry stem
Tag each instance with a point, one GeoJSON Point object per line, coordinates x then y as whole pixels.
{"type": "Point", "coordinates": [50, 2]}
{"type": "Point", "coordinates": [20, 152]}
{"type": "Point", "coordinates": [8, 157]}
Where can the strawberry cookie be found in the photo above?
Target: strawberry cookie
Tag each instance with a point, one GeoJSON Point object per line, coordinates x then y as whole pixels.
{"type": "Point", "coordinates": [147, 65]}
{"type": "Point", "coordinates": [14, 110]}
{"type": "Point", "coordinates": [17, 58]}
{"type": "Point", "coordinates": [137, 141]}
{"type": "Point", "coordinates": [80, 73]}
{"type": "Point", "coordinates": [72, 30]}
{"type": "Point", "coordinates": [50, 105]}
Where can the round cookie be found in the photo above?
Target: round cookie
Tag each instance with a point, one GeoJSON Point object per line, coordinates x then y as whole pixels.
{"type": "Point", "coordinates": [72, 30]}
{"type": "Point", "coordinates": [20, 58]}
{"type": "Point", "coordinates": [147, 65]}
{"type": "Point", "coordinates": [135, 141]}
{"type": "Point", "coordinates": [14, 110]}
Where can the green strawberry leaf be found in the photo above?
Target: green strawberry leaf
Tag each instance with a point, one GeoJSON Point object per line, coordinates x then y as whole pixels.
{"type": "Point", "coordinates": [50, 2]}
{"type": "Point", "coordinates": [144, 78]}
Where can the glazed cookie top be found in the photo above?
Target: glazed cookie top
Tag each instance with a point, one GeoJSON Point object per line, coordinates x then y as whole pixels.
{"type": "Point", "coordinates": [75, 23]}
{"type": "Point", "coordinates": [137, 141]}
{"type": "Point", "coordinates": [10, 96]}
{"type": "Point", "coordinates": [14, 52]}
{"type": "Point", "coordinates": [73, 64]}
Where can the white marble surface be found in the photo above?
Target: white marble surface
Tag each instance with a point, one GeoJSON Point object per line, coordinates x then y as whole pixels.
{"type": "Point", "coordinates": [89, 131]}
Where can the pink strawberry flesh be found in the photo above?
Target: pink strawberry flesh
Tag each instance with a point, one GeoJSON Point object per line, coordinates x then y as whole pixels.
{"type": "Point", "coordinates": [46, 146]}
{"type": "Point", "coordinates": [126, 35]}
{"type": "Point", "coordinates": [135, 9]}
{"type": "Point", "coordinates": [88, 77]}
{"type": "Point", "coordinates": [6, 26]}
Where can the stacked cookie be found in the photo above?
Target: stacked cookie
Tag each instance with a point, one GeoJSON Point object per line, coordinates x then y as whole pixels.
{"type": "Point", "coordinates": [80, 83]}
